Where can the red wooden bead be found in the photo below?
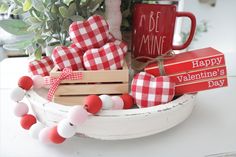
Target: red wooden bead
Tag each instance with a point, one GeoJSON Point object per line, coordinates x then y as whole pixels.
{"type": "Point", "coordinates": [55, 137]}
{"type": "Point", "coordinates": [128, 101]}
{"type": "Point", "coordinates": [25, 82]}
{"type": "Point", "coordinates": [27, 121]}
{"type": "Point", "coordinates": [93, 104]}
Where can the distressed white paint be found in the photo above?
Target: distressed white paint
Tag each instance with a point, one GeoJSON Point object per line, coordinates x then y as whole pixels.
{"type": "Point", "coordinates": [117, 124]}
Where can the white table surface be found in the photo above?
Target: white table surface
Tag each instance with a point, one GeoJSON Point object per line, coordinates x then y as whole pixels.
{"type": "Point", "coordinates": [211, 128]}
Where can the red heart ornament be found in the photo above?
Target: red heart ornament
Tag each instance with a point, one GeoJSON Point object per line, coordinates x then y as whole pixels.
{"type": "Point", "coordinates": [68, 57]}
{"type": "Point", "coordinates": [148, 90]}
{"type": "Point", "coordinates": [93, 33]}
{"type": "Point", "coordinates": [108, 57]}
{"type": "Point", "coordinates": [41, 67]}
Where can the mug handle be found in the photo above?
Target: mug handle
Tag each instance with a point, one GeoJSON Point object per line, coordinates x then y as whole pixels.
{"type": "Point", "coordinates": [192, 31]}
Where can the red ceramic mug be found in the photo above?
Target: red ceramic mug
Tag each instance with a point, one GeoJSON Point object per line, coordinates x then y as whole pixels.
{"type": "Point", "coordinates": [153, 29]}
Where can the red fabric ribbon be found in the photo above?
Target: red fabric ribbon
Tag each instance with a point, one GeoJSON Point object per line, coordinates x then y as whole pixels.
{"type": "Point", "coordinates": [67, 74]}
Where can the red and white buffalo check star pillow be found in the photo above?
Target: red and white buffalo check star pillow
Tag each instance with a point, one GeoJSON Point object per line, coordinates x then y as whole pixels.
{"type": "Point", "coordinates": [68, 57]}
{"type": "Point", "coordinates": [93, 33]}
{"type": "Point", "coordinates": [41, 67]}
{"type": "Point", "coordinates": [108, 57]}
{"type": "Point", "coordinates": [148, 90]}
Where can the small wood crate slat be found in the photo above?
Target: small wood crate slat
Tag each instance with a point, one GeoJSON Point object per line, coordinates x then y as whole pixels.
{"type": "Point", "coordinates": [73, 92]}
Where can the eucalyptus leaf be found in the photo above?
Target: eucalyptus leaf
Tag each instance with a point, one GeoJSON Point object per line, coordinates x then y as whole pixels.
{"type": "Point", "coordinates": [76, 18]}
{"type": "Point", "coordinates": [46, 2]}
{"type": "Point", "coordinates": [50, 15]}
{"type": "Point", "coordinates": [32, 20]}
{"type": "Point", "coordinates": [34, 27]}
{"type": "Point", "coordinates": [38, 53]}
{"type": "Point", "coordinates": [67, 2]}
{"type": "Point", "coordinates": [27, 5]}
{"type": "Point", "coordinates": [48, 39]}
{"type": "Point", "coordinates": [38, 5]}
{"type": "Point", "coordinates": [84, 3]}
{"type": "Point", "coordinates": [54, 9]}
{"type": "Point", "coordinates": [72, 9]}
{"type": "Point", "coordinates": [19, 2]}
{"type": "Point", "coordinates": [49, 24]}
{"type": "Point", "coordinates": [17, 11]}
{"type": "Point", "coordinates": [55, 27]}
{"type": "Point", "coordinates": [63, 11]}
{"type": "Point", "coordinates": [65, 25]}
{"type": "Point", "coordinates": [36, 14]}
{"type": "Point", "coordinates": [3, 7]}
{"type": "Point", "coordinates": [40, 41]}
{"type": "Point", "coordinates": [94, 4]}
{"type": "Point", "coordinates": [14, 26]}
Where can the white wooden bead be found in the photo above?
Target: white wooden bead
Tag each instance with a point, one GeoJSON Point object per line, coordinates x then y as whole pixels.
{"type": "Point", "coordinates": [118, 103]}
{"type": "Point", "coordinates": [17, 94]}
{"type": "Point", "coordinates": [43, 135]}
{"type": "Point", "coordinates": [20, 109]}
{"type": "Point", "coordinates": [66, 129]}
{"type": "Point", "coordinates": [77, 115]}
{"type": "Point", "coordinates": [35, 130]}
{"type": "Point", "coordinates": [38, 81]}
{"type": "Point", "coordinates": [107, 102]}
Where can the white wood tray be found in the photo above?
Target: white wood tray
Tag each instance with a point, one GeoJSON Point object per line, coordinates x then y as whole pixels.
{"type": "Point", "coordinates": [117, 124]}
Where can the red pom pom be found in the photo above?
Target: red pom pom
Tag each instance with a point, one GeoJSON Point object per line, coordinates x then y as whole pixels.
{"type": "Point", "coordinates": [128, 101]}
{"type": "Point", "coordinates": [25, 82]}
{"type": "Point", "coordinates": [27, 121]}
{"type": "Point", "coordinates": [55, 137]}
{"type": "Point", "coordinates": [93, 104]}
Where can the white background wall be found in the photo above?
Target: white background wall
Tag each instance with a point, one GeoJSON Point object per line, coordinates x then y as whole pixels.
{"type": "Point", "coordinates": [222, 28]}
{"type": "Point", "coordinates": [221, 20]}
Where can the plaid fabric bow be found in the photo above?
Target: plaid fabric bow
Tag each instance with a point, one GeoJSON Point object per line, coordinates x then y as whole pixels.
{"type": "Point", "coordinates": [68, 74]}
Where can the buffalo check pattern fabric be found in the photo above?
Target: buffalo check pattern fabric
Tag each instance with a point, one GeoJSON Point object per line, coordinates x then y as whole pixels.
{"type": "Point", "coordinates": [108, 57]}
{"type": "Point", "coordinates": [68, 57]}
{"type": "Point", "coordinates": [67, 74]}
{"type": "Point", "coordinates": [120, 43]}
{"type": "Point", "coordinates": [41, 67]}
{"type": "Point", "coordinates": [93, 33]}
{"type": "Point", "coordinates": [148, 90]}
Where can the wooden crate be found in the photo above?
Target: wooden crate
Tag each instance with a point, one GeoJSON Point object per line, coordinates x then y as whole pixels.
{"type": "Point", "coordinates": [73, 92]}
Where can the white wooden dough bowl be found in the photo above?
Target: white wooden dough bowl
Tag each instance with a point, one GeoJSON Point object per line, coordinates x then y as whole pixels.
{"type": "Point", "coordinates": [117, 124]}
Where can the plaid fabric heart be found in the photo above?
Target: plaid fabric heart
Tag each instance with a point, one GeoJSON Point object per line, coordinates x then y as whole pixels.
{"type": "Point", "coordinates": [41, 67]}
{"type": "Point", "coordinates": [148, 90]}
{"type": "Point", "coordinates": [120, 43]}
{"type": "Point", "coordinates": [68, 57]}
{"type": "Point", "coordinates": [108, 57]}
{"type": "Point", "coordinates": [93, 33]}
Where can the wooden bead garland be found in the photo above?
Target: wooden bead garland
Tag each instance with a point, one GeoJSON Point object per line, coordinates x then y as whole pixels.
{"type": "Point", "coordinates": [77, 115]}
